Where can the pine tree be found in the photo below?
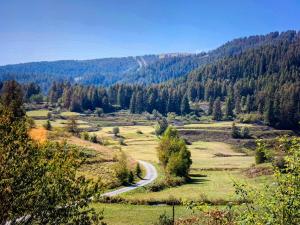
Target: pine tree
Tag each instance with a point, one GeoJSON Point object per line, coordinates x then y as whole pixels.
{"type": "Point", "coordinates": [228, 108]}
{"type": "Point", "coordinates": [248, 104]}
{"type": "Point", "coordinates": [269, 113]}
{"type": "Point", "coordinates": [217, 111]}
{"type": "Point", "coordinates": [185, 106]}
{"type": "Point", "coordinates": [238, 105]}
{"type": "Point", "coordinates": [210, 106]}
{"type": "Point", "coordinates": [132, 106]}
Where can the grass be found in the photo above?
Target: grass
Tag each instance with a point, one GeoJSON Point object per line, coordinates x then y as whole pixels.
{"type": "Point", "coordinates": [213, 186]}
{"type": "Point", "coordinates": [120, 214]}
{"type": "Point", "coordinates": [216, 124]}
{"type": "Point", "coordinates": [58, 123]}
{"type": "Point", "coordinates": [138, 145]}
{"type": "Point", "coordinates": [37, 113]}
{"type": "Point", "coordinates": [68, 114]}
{"type": "Point", "coordinates": [204, 156]}
{"type": "Point", "coordinates": [38, 134]}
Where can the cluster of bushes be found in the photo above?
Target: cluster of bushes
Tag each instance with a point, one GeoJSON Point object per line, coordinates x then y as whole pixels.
{"type": "Point", "coordinates": [123, 172]}
{"type": "Point", "coordinates": [236, 132]}
{"type": "Point", "coordinates": [250, 118]}
{"type": "Point", "coordinates": [92, 138]}
{"type": "Point", "coordinates": [166, 183]}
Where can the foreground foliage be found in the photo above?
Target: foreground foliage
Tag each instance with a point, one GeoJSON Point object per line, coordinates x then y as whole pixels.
{"type": "Point", "coordinates": [38, 182]}
{"type": "Point", "coordinates": [280, 202]}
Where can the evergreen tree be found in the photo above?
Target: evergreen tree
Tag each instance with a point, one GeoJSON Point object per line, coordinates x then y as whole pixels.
{"type": "Point", "coordinates": [185, 106]}
{"type": "Point", "coordinates": [210, 106]}
{"type": "Point", "coordinates": [217, 111]}
{"type": "Point", "coordinates": [229, 108]}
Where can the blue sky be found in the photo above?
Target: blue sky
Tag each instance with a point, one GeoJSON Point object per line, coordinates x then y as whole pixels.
{"type": "Point", "coordinates": [36, 30]}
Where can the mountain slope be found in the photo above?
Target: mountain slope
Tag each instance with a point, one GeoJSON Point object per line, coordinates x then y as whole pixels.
{"type": "Point", "coordinates": [141, 69]}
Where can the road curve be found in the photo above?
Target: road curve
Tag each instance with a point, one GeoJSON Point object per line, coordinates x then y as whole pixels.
{"type": "Point", "coordinates": [151, 175]}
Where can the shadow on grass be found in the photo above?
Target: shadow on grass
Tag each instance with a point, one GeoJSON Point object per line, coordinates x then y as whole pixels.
{"type": "Point", "coordinates": [197, 179]}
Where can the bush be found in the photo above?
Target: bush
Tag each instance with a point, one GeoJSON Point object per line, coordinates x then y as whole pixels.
{"type": "Point", "coordinates": [280, 163]}
{"type": "Point", "coordinates": [99, 112]}
{"type": "Point", "coordinates": [121, 169]}
{"type": "Point", "coordinates": [47, 125]}
{"type": "Point", "coordinates": [139, 132]}
{"type": "Point", "coordinates": [162, 125]}
{"type": "Point", "coordinates": [94, 138]}
{"type": "Point", "coordinates": [116, 131]}
{"type": "Point", "coordinates": [245, 132]}
{"type": "Point", "coordinates": [235, 132]}
{"type": "Point", "coordinates": [85, 136]}
{"type": "Point", "coordinates": [122, 141]}
{"type": "Point", "coordinates": [130, 177]}
{"type": "Point", "coordinates": [138, 170]}
{"type": "Point", "coordinates": [250, 118]}
{"type": "Point", "coordinates": [260, 154]}
{"type": "Point", "coordinates": [163, 219]}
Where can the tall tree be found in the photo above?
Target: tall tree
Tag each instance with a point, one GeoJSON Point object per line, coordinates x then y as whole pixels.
{"type": "Point", "coordinates": [217, 111]}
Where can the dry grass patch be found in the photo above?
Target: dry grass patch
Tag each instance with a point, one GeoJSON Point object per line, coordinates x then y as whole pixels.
{"type": "Point", "coordinates": [38, 134]}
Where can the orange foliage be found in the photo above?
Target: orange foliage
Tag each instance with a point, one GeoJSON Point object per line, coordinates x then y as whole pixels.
{"type": "Point", "coordinates": [38, 134]}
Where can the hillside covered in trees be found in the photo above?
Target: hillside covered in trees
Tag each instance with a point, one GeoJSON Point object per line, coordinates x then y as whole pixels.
{"type": "Point", "coordinates": [264, 80]}
{"type": "Point", "coordinates": [140, 70]}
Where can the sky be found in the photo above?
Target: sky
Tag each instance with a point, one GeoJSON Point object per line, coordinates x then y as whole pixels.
{"type": "Point", "coordinates": [45, 30]}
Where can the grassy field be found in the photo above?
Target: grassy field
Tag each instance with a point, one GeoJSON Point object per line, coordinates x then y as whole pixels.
{"type": "Point", "coordinates": [138, 214]}
{"type": "Point", "coordinates": [37, 113]}
{"type": "Point", "coordinates": [140, 142]}
{"type": "Point", "coordinates": [216, 165]}
{"type": "Point", "coordinates": [61, 123]}
{"type": "Point", "coordinates": [215, 124]}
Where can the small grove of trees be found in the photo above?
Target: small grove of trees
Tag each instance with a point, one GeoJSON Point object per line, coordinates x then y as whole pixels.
{"type": "Point", "coordinates": [173, 154]}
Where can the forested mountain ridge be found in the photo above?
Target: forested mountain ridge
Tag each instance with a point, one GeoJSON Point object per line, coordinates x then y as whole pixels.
{"type": "Point", "coordinates": [141, 69]}
{"type": "Point", "coordinates": [263, 80]}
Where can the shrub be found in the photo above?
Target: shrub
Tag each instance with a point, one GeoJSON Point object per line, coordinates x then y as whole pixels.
{"type": "Point", "coordinates": [47, 125]}
{"type": "Point", "coordinates": [162, 125]}
{"type": "Point", "coordinates": [280, 163]}
{"type": "Point", "coordinates": [235, 132]}
{"type": "Point", "coordinates": [139, 132]}
{"type": "Point", "coordinates": [278, 203]}
{"type": "Point", "coordinates": [121, 169]}
{"type": "Point", "coordinates": [250, 118]}
{"type": "Point", "coordinates": [260, 154]}
{"type": "Point", "coordinates": [99, 112]}
{"type": "Point", "coordinates": [49, 115]}
{"type": "Point", "coordinates": [245, 132]}
{"type": "Point", "coordinates": [163, 219]}
{"type": "Point", "coordinates": [94, 138]}
{"type": "Point", "coordinates": [85, 136]}
{"type": "Point", "coordinates": [130, 177]}
{"type": "Point", "coordinates": [138, 170]}
{"type": "Point", "coordinates": [116, 131]}
{"type": "Point", "coordinates": [122, 141]}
